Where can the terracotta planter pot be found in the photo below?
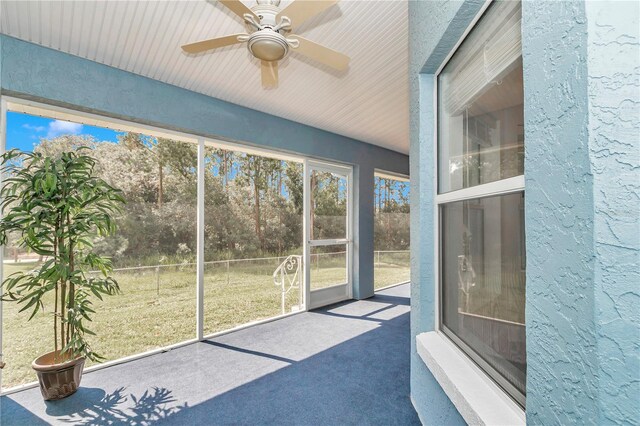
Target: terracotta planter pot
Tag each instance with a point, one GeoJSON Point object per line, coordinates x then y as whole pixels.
{"type": "Point", "coordinates": [58, 379]}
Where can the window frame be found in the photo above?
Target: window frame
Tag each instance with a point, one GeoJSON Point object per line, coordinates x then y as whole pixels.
{"type": "Point", "coordinates": [511, 185]}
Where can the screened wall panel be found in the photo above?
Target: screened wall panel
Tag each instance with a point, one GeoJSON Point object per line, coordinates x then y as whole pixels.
{"type": "Point", "coordinates": [391, 231]}
{"type": "Point", "coordinates": [253, 224]}
{"type": "Point", "coordinates": [153, 249]}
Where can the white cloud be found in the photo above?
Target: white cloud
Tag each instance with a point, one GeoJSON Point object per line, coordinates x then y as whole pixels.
{"type": "Point", "coordinates": [34, 128]}
{"type": "Point", "coordinates": [59, 127]}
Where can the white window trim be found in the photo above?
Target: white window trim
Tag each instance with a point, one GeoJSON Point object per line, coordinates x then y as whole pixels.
{"type": "Point", "coordinates": [330, 242]}
{"type": "Point", "coordinates": [442, 356]}
{"type": "Point", "coordinates": [477, 397]}
{"type": "Point", "coordinates": [390, 175]}
{"type": "Point", "coordinates": [491, 189]}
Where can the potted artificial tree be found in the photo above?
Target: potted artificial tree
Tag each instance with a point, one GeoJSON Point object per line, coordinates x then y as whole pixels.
{"type": "Point", "coordinates": [56, 205]}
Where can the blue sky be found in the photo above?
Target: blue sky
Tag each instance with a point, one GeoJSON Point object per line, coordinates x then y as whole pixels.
{"type": "Point", "coordinates": [24, 131]}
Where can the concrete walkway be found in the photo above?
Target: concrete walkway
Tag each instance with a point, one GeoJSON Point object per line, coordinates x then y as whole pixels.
{"type": "Point", "coordinates": [345, 364]}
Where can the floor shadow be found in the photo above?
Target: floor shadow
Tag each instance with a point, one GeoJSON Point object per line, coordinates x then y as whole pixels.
{"type": "Point", "coordinates": [377, 298]}
{"type": "Point", "coordinates": [12, 413]}
{"type": "Point", "coordinates": [248, 351]}
{"type": "Point", "coordinates": [93, 406]}
{"type": "Point", "coordinates": [362, 381]}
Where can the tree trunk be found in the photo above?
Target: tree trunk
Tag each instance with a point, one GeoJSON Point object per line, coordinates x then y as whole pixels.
{"type": "Point", "coordinates": [55, 307]}
{"type": "Point", "coordinates": [312, 186]}
{"type": "Point", "coordinates": [63, 284]}
{"type": "Point", "coordinates": [257, 218]}
{"type": "Point", "coordinates": [72, 289]}
{"type": "Point", "coordinates": [63, 292]}
{"type": "Point", "coordinates": [280, 181]}
{"type": "Point", "coordinates": [224, 170]}
{"type": "Point", "coordinates": [279, 194]}
{"type": "Point", "coordinates": [256, 198]}
{"type": "Point", "coordinates": [160, 188]}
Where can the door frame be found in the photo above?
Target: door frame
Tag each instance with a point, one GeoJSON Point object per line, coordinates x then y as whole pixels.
{"type": "Point", "coordinates": [337, 293]}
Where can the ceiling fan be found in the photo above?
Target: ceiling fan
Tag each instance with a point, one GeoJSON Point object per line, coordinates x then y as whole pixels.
{"type": "Point", "coordinates": [269, 35]}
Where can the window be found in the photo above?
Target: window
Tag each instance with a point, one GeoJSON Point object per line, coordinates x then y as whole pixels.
{"type": "Point", "coordinates": [481, 198]}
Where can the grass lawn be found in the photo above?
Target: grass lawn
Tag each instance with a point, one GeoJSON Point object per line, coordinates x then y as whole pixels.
{"type": "Point", "coordinates": [158, 309]}
{"type": "Point", "coordinates": [390, 268]}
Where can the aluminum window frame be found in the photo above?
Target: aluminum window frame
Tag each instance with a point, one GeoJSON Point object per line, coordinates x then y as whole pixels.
{"type": "Point", "coordinates": [500, 187]}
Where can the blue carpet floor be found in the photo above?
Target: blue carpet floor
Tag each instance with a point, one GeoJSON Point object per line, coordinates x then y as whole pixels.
{"type": "Point", "coordinates": [347, 364]}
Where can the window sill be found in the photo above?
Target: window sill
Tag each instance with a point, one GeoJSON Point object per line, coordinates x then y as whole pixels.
{"type": "Point", "coordinates": [478, 399]}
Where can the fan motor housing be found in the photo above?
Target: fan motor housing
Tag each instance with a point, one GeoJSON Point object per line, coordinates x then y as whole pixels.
{"type": "Point", "coordinates": [267, 13]}
{"type": "Point", "coordinates": [267, 45]}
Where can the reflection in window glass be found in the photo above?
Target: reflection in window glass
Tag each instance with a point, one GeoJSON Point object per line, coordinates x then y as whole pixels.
{"type": "Point", "coordinates": [391, 231]}
{"type": "Point", "coordinates": [153, 250]}
{"type": "Point", "coordinates": [480, 104]}
{"type": "Point", "coordinates": [483, 280]}
{"type": "Point", "coordinates": [328, 266]}
{"type": "Point", "coordinates": [328, 205]}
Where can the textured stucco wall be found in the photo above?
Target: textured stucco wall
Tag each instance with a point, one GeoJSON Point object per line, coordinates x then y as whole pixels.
{"type": "Point", "coordinates": [614, 150]}
{"type": "Point", "coordinates": [582, 164]}
{"type": "Point", "coordinates": [434, 28]}
{"type": "Point", "coordinates": [35, 72]}
{"type": "Point", "coordinates": [561, 383]}
{"type": "Point", "coordinates": [581, 63]}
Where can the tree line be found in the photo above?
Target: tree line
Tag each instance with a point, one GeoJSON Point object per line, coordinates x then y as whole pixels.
{"type": "Point", "coordinates": [253, 204]}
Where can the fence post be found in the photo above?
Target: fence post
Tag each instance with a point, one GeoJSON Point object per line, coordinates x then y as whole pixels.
{"type": "Point", "coordinates": [301, 282]}
{"type": "Point", "coordinates": [282, 291]}
{"type": "Point", "coordinates": [158, 280]}
{"type": "Point", "coordinates": [228, 279]}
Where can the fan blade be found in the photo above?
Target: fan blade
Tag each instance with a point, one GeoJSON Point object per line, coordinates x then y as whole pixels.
{"type": "Point", "coordinates": [301, 10]}
{"type": "Point", "coordinates": [269, 74]}
{"type": "Point", "coordinates": [237, 7]}
{"type": "Point", "coordinates": [322, 54]}
{"type": "Point", "coordinates": [202, 46]}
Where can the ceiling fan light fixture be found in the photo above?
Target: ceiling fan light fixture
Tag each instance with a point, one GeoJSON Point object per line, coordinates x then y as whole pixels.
{"type": "Point", "coordinates": [269, 35]}
{"type": "Point", "coordinates": [267, 45]}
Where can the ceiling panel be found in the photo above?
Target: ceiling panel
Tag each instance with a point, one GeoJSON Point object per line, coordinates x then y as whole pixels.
{"type": "Point", "coordinates": [368, 102]}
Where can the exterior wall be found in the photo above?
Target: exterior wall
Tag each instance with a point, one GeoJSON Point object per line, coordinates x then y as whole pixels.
{"type": "Point", "coordinates": [45, 75]}
{"type": "Point", "coordinates": [582, 171]}
{"type": "Point", "coordinates": [561, 386]}
{"type": "Point", "coordinates": [434, 28]}
{"type": "Point", "coordinates": [613, 51]}
{"type": "Point", "coordinates": [582, 159]}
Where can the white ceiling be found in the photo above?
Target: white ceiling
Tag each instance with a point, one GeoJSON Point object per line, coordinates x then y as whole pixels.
{"type": "Point", "coordinates": [369, 102]}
